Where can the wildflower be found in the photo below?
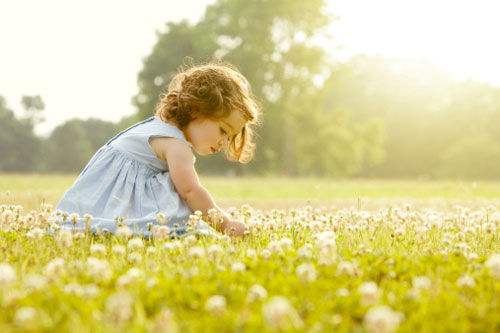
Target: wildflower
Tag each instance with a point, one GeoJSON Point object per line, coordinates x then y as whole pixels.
{"type": "Point", "coordinates": [161, 218]}
{"type": "Point", "coordinates": [25, 317]}
{"type": "Point", "coordinates": [135, 244]}
{"type": "Point", "coordinates": [382, 319]}
{"type": "Point", "coordinates": [119, 249]}
{"type": "Point", "coordinates": [123, 232]}
{"type": "Point", "coordinates": [35, 282]}
{"type": "Point", "coordinates": [151, 250]}
{"type": "Point", "coordinates": [73, 218]}
{"type": "Point", "coordinates": [165, 322]}
{"type": "Point", "coordinates": [54, 269]}
{"type": "Point", "coordinates": [98, 249]}
{"type": "Point", "coordinates": [369, 293]}
{"type": "Point", "coordinates": [280, 314]}
{"type": "Point", "coordinates": [36, 233]}
{"type": "Point", "coordinates": [421, 283]}
{"type": "Point", "coordinates": [132, 276]}
{"type": "Point", "coordinates": [134, 257]}
{"type": "Point", "coordinates": [251, 253]}
{"type": "Point", "coordinates": [216, 305]}
{"type": "Point", "coordinates": [348, 268]}
{"type": "Point", "coordinates": [305, 252]}
{"type": "Point", "coordinates": [306, 272]}
{"type": "Point", "coordinates": [160, 232]}
{"type": "Point", "coordinates": [285, 243]}
{"type": "Point", "coordinates": [493, 265]}
{"type": "Point", "coordinates": [119, 307]}
{"type": "Point", "coordinates": [197, 252]}
{"type": "Point", "coordinates": [7, 274]}
{"type": "Point", "coordinates": [342, 292]}
{"type": "Point", "coordinates": [214, 251]}
{"type": "Point", "coordinates": [64, 238]}
{"type": "Point", "coordinates": [256, 292]}
{"type": "Point", "coordinates": [466, 281]}
{"type": "Point", "coordinates": [238, 267]}
{"type": "Point", "coordinates": [170, 246]}
{"type": "Point", "coordinates": [98, 269]}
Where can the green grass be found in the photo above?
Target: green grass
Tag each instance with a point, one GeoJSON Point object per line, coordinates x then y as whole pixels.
{"type": "Point", "coordinates": [266, 192]}
{"type": "Point", "coordinates": [390, 245]}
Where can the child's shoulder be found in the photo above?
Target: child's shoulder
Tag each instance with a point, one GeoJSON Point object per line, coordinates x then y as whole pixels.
{"type": "Point", "coordinates": [172, 148]}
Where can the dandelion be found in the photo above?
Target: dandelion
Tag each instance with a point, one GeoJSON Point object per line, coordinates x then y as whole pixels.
{"type": "Point", "coordinates": [382, 319]}
{"type": "Point", "coordinates": [342, 292]}
{"type": "Point", "coordinates": [238, 267]}
{"type": "Point", "coordinates": [73, 218]}
{"type": "Point", "coordinates": [35, 282]}
{"type": "Point", "coordinates": [7, 274]}
{"type": "Point", "coordinates": [132, 276]}
{"type": "Point", "coordinates": [369, 292]}
{"type": "Point", "coordinates": [35, 233]}
{"type": "Point", "coordinates": [306, 272]}
{"type": "Point", "coordinates": [160, 232]}
{"type": "Point", "coordinates": [347, 268]}
{"type": "Point", "coordinates": [216, 305]}
{"type": "Point", "coordinates": [421, 283]}
{"type": "Point", "coordinates": [493, 265]}
{"type": "Point", "coordinates": [278, 313]}
{"type": "Point", "coordinates": [256, 292]}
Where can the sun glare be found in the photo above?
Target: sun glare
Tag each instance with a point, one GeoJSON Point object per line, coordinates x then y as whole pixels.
{"type": "Point", "coordinates": [458, 36]}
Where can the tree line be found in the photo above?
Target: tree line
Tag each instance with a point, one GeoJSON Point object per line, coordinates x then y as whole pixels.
{"type": "Point", "coordinates": [368, 117]}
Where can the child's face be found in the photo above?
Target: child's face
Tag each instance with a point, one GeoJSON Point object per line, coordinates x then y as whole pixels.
{"type": "Point", "coordinates": [208, 136]}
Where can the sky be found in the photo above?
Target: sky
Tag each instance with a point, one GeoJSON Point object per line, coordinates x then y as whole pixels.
{"type": "Point", "coordinates": [83, 57]}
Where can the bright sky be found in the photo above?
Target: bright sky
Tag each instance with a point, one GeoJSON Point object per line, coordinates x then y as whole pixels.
{"type": "Point", "coordinates": [83, 57]}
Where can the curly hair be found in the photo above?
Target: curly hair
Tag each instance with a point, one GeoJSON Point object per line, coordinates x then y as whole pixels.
{"type": "Point", "coordinates": [213, 91]}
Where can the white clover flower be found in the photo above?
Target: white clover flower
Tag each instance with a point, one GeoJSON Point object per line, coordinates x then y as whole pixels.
{"type": "Point", "coordinates": [197, 252]}
{"type": "Point", "coordinates": [98, 269]}
{"type": "Point", "coordinates": [161, 218]}
{"type": "Point", "coordinates": [421, 283]}
{"type": "Point", "coordinates": [98, 249]}
{"type": "Point", "coordinates": [279, 313]}
{"type": "Point", "coordinates": [347, 268]}
{"type": "Point", "coordinates": [251, 253]}
{"type": "Point", "coordinates": [90, 291]}
{"type": "Point", "coordinates": [64, 238]}
{"type": "Point", "coordinates": [466, 281]}
{"type": "Point", "coordinates": [190, 239]}
{"type": "Point", "coordinates": [306, 272]}
{"type": "Point", "coordinates": [135, 244]}
{"type": "Point", "coordinates": [238, 267]}
{"type": "Point", "coordinates": [216, 305]}
{"type": "Point", "coordinates": [305, 252]}
{"type": "Point", "coordinates": [382, 319]}
{"type": "Point", "coordinates": [134, 257]}
{"type": "Point", "coordinates": [214, 251]}
{"type": "Point", "coordinates": [130, 277]}
{"type": "Point", "coordinates": [35, 233]}
{"type": "Point", "coordinates": [119, 307]}
{"type": "Point", "coordinates": [170, 246]}
{"type": "Point", "coordinates": [493, 265]}
{"type": "Point", "coordinates": [119, 249]}
{"type": "Point", "coordinates": [256, 292]}
{"type": "Point", "coordinates": [369, 292]}
{"type": "Point", "coordinates": [285, 243]}
{"type": "Point", "coordinates": [342, 292]}
{"type": "Point", "coordinates": [123, 232]}
{"type": "Point", "coordinates": [165, 322]}
{"type": "Point", "coordinates": [160, 232]}
{"type": "Point", "coordinates": [265, 253]}
{"type": "Point", "coordinates": [25, 317]}
{"type": "Point", "coordinates": [54, 269]}
{"type": "Point", "coordinates": [7, 274]}
{"type": "Point", "coordinates": [35, 282]}
{"type": "Point", "coordinates": [73, 288]}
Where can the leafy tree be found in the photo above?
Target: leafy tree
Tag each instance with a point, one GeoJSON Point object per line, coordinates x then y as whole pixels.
{"type": "Point", "coordinates": [19, 147]}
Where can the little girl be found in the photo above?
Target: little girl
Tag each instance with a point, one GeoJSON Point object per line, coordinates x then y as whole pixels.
{"type": "Point", "coordinates": [147, 170]}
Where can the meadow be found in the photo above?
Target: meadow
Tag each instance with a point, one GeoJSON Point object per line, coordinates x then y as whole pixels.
{"type": "Point", "coordinates": [322, 255]}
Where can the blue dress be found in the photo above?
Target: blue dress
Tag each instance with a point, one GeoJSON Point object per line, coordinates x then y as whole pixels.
{"type": "Point", "coordinates": [126, 179]}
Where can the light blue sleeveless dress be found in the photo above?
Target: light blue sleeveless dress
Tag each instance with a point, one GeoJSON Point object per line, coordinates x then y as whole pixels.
{"type": "Point", "coordinates": [126, 179]}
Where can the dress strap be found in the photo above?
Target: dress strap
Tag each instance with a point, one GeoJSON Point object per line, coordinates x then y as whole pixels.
{"type": "Point", "coordinates": [129, 128]}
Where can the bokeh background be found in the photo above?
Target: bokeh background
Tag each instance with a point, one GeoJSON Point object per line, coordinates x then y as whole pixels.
{"type": "Point", "coordinates": [350, 89]}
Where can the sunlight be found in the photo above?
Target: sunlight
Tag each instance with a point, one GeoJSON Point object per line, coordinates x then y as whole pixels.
{"type": "Point", "coordinates": [458, 36]}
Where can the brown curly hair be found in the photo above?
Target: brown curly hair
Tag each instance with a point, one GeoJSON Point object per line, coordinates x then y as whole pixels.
{"type": "Point", "coordinates": [213, 91]}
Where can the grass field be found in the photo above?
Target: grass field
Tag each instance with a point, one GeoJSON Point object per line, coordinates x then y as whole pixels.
{"type": "Point", "coordinates": [322, 256]}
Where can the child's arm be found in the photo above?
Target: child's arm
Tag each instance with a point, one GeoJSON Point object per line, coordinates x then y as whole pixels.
{"type": "Point", "coordinates": [180, 160]}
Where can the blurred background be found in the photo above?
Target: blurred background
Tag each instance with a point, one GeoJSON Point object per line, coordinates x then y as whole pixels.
{"type": "Point", "coordinates": [350, 89]}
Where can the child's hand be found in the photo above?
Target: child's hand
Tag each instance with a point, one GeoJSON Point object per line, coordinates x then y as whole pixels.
{"type": "Point", "coordinates": [234, 228]}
